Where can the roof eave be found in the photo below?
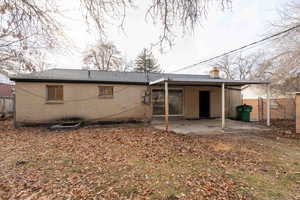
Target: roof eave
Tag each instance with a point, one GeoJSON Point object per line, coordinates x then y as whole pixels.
{"type": "Point", "coordinates": [75, 81]}
{"type": "Point", "coordinates": [157, 81]}
{"type": "Point", "coordinates": [209, 81]}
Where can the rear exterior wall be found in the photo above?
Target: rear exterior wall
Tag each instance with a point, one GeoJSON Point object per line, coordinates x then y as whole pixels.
{"type": "Point", "coordinates": [192, 102]}
{"type": "Point", "coordinates": [81, 100]}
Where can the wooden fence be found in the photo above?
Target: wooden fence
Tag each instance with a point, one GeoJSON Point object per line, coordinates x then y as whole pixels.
{"type": "Point", "coordinates": [281, 108]}
{"type": "Point", "coordinates": [6, 107]}
{"type": "Point", "coordinates": [298, 112]}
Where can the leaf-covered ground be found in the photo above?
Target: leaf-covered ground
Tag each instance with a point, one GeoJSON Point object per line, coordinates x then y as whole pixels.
{"type": "Point", "coordinates": [283, 128]}
{"type": "Point", "coordinates": [143, 163]}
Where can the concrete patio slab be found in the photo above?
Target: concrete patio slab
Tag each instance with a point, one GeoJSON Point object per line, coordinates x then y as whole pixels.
{"type": "Point", "coordinates": [208, 126]}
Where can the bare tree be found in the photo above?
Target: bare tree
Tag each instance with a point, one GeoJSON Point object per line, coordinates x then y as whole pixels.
{"type": "Point", "coordinates": [127, 65]}
{"type": "Point", "coordinates": [280, 64]}
{"type": "Point", "coordinates": [285, 62]}
{"type": "Point", "coordinates": [226, 67]}
{"type": "Point", "coordinates": [170, 15]}
{"type": "Point", "coordinates": [103, 56]}
{"type": "Point", "coordinates": [26, 27]}
{"type": "Point", "coordinates": [240, 67]}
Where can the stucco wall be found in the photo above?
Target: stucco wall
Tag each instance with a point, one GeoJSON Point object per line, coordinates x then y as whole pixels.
{"type": "Point", "coordinates": [191, 100]}
{"type": "Point", "coordinates": [80, 100]}
{"type": "Point", "coordinates": [233, 100]}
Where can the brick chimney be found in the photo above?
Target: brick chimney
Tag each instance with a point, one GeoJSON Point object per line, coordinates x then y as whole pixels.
{"type": "Point", "coordinates": [214, 73]}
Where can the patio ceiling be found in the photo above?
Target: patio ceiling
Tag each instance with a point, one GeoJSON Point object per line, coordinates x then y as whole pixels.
{"type": "Point", "coordinates": [199, 82]}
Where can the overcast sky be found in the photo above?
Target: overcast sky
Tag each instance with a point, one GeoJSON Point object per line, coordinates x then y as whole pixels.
{"type": "Point", "coordinates": [220, 32]}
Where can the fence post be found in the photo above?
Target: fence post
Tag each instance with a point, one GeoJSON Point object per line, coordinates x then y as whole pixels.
{"type": "Point", "coordinates": [3, 105]}
{"type": "Point", "coordinates": [297, 112]}
{"type": "Point", "coordinates": [14, 109]}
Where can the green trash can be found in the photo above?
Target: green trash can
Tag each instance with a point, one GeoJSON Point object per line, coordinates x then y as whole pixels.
{"type": "Point", "coordinates": [243, 112]}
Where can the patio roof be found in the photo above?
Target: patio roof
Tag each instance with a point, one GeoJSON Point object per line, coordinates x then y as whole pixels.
{"type": "Point", "coordinates": [195, 81]}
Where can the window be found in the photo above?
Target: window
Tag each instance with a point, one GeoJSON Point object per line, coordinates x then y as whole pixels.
{"type": "Point", "coordinates": [175, 102]}
{"type": "Point", "coordinates": [55, 93]}
{"type": "Point", "coordinates": [106, 91]}
{"type": "Point", "coordinates": [158, 99]}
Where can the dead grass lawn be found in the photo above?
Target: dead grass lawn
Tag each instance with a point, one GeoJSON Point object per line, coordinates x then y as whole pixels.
{"type": "Point", "coordinates": [142, 163]}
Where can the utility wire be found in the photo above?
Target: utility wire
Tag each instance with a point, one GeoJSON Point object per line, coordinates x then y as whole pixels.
{"type": "Point", "coordinates": [238, 49]}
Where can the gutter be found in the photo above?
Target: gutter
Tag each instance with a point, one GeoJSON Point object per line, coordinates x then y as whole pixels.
{"type": "Point", "coordinates": [157, 81]}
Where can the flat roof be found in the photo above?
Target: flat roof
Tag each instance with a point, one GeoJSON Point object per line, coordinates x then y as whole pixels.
{"type": "Point", "coordinates": [96, 76]}
{"type": "Point", "coordinates": [192, 81]}
{"type": "Point", "coordinates": [130, 78]}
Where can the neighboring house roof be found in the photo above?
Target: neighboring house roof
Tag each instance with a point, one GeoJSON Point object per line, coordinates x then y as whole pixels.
{"type": "Point", "coordinates": [3, 78]}
{"type": "Point", "coordinates": [6, 90]}
{"type": "Point", "coordinates": [93, 76]}
{"type": "Point", "coordinates": [258, 91]}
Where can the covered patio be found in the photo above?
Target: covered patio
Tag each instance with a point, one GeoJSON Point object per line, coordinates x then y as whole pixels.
{"type": "Point", "coordinates": [208, 126]}
{"type": "Point", "coordinates": [224, 85]}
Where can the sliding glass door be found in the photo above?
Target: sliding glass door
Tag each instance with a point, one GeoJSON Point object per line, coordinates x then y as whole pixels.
{"type": "Point", "coordinates": [175, 102]}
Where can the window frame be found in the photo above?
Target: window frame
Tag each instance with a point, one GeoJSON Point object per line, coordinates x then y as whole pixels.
{"type": "Point", "coordinates": [106, 96]}
{"type": "Point", "coordinates": [176, 115]}
{"type": "Point", "coordinates": [54, 100]}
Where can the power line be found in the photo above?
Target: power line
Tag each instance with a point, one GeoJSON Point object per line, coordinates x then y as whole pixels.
{"type": "Point", "coordinates": [238, 49]}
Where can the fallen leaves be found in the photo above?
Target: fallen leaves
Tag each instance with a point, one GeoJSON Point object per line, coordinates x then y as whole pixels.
{"type": "Point", "coordinates": [283, 129]}
{"type": "Point", "coordinates": [128, 163]}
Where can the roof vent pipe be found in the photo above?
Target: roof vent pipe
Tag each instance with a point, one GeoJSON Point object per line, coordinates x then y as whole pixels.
{"type": "Point", "coordinates": [214, 73]}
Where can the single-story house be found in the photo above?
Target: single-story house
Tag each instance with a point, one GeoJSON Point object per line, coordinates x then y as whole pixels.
{"type": "Point", "coordinates": [4, 77]}
{"type": "Point", "coordinates": [56, 94]}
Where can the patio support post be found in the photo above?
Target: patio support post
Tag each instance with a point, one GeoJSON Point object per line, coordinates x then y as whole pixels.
{"type": "Point", "coordinates": [268, 106]}
{"type": "Point", "coordinates": [166, 106]}
{"type": "Point", "coordinates": [223, 105]}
